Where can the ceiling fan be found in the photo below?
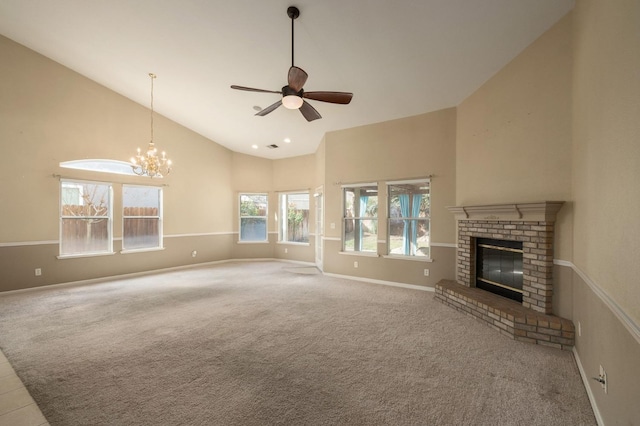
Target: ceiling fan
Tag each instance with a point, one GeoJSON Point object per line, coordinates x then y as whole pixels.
{"type": "Point", "coordinates": [293, 93]}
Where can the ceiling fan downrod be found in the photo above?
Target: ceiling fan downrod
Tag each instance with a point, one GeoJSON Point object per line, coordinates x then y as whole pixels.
{"type": "Point", "coordinates": [293, 13]}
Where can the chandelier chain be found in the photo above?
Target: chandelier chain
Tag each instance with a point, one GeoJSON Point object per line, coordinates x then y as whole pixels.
{"type": "Point", "coordinates": [153, 76]}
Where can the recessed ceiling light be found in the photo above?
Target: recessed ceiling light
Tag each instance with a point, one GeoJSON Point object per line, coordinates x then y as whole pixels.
{"type": "Point", "coordinates": [254, 146]}
{"type": "Point", "coordinates": [287, 140]}
{"type": "Point", "coordinates": [257, 108]}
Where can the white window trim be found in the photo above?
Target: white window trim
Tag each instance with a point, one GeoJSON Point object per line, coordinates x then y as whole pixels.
{"type": "Point", "coordinates": [400, 182]}
{"type": "Point", "coordinates": [141, 250]}
{"type": "Point", "coordinates": [240, 217]}
{"type": "Point", "coordinates": [410, 258]}
{"type": "Point", "coordinates": [94, 254]}
{"type": "Point", "coordinates": [359, 253]}
{"type": "Point", "coordinates": [109, 250]}
{"type": "Point", "coordinates": [359, 185]}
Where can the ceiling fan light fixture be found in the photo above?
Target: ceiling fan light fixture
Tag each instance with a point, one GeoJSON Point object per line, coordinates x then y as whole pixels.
{"type": "Point", "coordinates": [292, 101]}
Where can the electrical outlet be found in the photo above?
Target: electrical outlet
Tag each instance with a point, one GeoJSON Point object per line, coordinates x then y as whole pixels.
{"type": "Point", "coordinates": [332, 226]}
{"type": "Point", "coordinates": [426, 272]}
{"type": "Point", "coordinates": [194, 253]}
{"type": "Point", "coordinates": [38, 272]}
{"type": "Point", "coordinates": [579, 329]}
{"type": "Point", "coordinates": [355, 264]}
{"type": "Point", "coordinates": [603, 379]}
{"type": "Point", "coordinates": [286, 250]}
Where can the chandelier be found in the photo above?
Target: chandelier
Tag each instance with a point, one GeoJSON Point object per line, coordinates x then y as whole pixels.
{"type": "Point", "coordinates": [148, 163]}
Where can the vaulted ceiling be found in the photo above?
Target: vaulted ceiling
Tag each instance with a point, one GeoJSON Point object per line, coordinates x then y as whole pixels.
{"type": "Point", "coordinates": [399, 58]}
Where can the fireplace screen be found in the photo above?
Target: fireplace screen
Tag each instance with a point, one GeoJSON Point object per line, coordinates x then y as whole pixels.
{"type": "Point", "coordinates": [499, 267]}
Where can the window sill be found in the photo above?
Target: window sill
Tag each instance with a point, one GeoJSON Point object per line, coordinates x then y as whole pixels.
{"type": "Point", "coordinates": [359, 253]}
{"type": "Point", "coordinates": [252, 242]}
{"type": "Point", "coordinates": [141, 250]}
{"type": "Point", "coordinates": [79, 255]}
{"type": "Point", "coordinates": [411, 258]}
{"type": "Point", "coordinates": [292, 243]}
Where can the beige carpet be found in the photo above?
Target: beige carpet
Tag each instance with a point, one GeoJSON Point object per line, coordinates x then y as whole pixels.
{"type": "Point", "coordinates": [258, 344]}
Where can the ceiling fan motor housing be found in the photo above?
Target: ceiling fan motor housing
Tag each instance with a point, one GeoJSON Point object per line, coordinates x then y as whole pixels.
{"type": "Point", "coordinates": [288, 91]}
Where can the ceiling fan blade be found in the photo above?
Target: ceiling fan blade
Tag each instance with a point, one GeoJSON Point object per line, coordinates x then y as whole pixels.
{"type": "Point", "coordinates": [270, 108]}
{"type": "Point", "coordinates": [251, 89]}
{"type": "Point", "coordinates": [332, 97]}
{"type": "Point", "coordinates": [309, 112]}
{"type": "Point", "coordinates": [297, 78]}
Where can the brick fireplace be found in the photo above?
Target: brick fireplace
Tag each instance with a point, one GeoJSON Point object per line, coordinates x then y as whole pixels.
{"type": "Point", "coordinates": [532, 225]}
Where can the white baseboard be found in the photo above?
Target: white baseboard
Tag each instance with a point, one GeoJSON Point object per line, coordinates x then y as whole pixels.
{"type": "Point", "coordinates": [144, 273]}
{"type": "Point", "coordinates": [389, 283]}
{"type": "Point", "coordinates": [585, 381]}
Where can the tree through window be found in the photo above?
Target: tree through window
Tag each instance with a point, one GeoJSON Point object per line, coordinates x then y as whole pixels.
{"type": "Point", "coordinates": [294, 217]}
{"type": "Point", "coordinates": [253, 217]}
{"type": "Point", "coordinates": [85, 218]}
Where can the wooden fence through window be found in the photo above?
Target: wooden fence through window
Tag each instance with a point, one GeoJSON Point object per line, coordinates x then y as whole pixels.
{"type": "Point", "coordinates": [80, 233]}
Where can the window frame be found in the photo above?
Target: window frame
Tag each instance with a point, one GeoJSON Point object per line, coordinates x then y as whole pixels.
{"type": "Point", "coordinates": [265, 217]}
{"type": "Point", "coordinates": [358, 220]}
{"type": "Point", "coordinates": [160, 218]}
{"type": "Point", "coordinates": [413, 250]}
{"type": "Point", "coordinates": [283, 217]}
{"type": "Point", "coordinates": [108, 217]}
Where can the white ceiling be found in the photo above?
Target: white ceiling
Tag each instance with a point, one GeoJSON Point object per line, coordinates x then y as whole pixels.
{"type": "Point", "coordinates": [399, 58]}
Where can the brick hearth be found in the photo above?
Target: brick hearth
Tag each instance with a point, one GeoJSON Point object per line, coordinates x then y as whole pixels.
{"type": "Point", "coordinates": [533, 225]}
{"type": "Point", "coordinates": [507, 316]}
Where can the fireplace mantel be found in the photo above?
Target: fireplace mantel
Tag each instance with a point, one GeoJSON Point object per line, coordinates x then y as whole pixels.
{"type": "Point", "coordinates": [543, 211]}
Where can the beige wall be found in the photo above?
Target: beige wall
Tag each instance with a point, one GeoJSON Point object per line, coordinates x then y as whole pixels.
{"type": "Point", "coordinates": [50, 114]}
{"type": "Point", "coordinates": [606, 172]}
{"type": "Point", "coordinates": [514, 133]}
{"type": "Point", "coordinates": [407, 148]}
{"type": "Point", "coordinates": [606, 154]}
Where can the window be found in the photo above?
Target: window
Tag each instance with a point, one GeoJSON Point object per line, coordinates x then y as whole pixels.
{"type": "Point", "coordinates": [85, 218]}
{"type": "Point", "coordinates": [360, 218]}
{"type": "Point", "coordinates": [294, 218]}
{"type": "Point", "coordinates": [100, 165]}
{"type": "Point", "coordinates": [141, 217]}
{"type": "Point", "coordinates": [409, 217]}
{"type": "Point", "coordinates": [253, 217]}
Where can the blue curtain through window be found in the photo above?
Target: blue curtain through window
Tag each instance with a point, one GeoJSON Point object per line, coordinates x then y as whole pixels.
{"type": "Point", "coordinates": [404, 211]}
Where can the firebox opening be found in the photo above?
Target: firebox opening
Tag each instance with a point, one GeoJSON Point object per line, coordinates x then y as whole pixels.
{"type": "Point", "coordinates": [499, 267]}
